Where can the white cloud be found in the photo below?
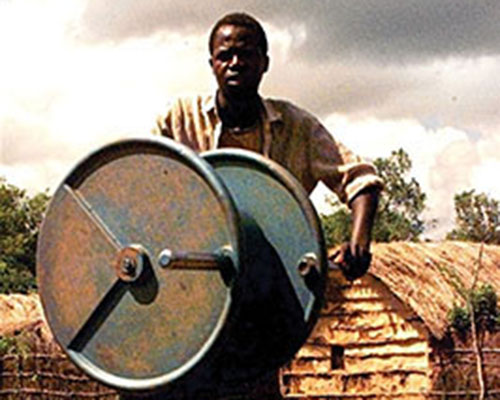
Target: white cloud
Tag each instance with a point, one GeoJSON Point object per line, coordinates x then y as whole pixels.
{"type": "Point", "coordinates": [485, 176]}
{"type": "Point", "coordinates": [284, 41]}
{"type": "Point", "coordinates": [65, 97]}
{"type": "Point", "coordinates": [43, 176]}
{"type": "Point", "coordinates": [442, 159]}
{"type": "Point", "coordinates": [62, 96]}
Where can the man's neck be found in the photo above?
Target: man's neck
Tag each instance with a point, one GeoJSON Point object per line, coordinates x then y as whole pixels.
{"type": "Point", "coordinates": [238, 113]}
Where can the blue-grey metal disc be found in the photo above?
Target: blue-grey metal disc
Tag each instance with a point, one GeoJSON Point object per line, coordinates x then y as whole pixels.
{"type": "Point", "coordinates": [121, 316]}
{"type": "Point", "coordinates": [281, 301]}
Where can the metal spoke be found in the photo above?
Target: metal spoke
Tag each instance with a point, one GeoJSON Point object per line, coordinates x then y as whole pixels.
{"type": "Point", "coordinates": [99, 315]}
{"type": "Point", "coordinates": [92, 215]}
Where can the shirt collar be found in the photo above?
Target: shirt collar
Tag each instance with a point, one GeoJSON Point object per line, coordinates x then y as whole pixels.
{"type": "Point", "coordinates": [269, 113]}
{"type": "Point", "coordinates": [208, 105]}
{"type": "Point", "coordinates": [272, 115]}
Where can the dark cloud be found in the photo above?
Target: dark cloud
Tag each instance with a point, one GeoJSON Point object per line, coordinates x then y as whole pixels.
{"type": "Point", "coordinates": [117, 21]}
{"type": "Point", "coordinates": [402, 31]}
{"type": "Point", "coordinates": [453, 93]}
{"type": "Point", "coordinates": [360, 58]}
{"type": "Point", "coordinates": [341, 88]}
{"type": "Point", "coordinates": [379, 30]}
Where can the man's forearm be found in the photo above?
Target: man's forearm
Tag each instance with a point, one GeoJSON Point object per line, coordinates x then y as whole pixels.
{"type": "Point", "coordinates": [364, 207]}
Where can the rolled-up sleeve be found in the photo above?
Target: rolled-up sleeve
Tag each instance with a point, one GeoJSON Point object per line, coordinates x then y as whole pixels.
{"type": "Point", "coordinates": [340, 169]}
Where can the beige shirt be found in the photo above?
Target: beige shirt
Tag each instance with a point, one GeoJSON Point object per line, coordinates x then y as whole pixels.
{"type": "Point", "coordinates": [289, 135]}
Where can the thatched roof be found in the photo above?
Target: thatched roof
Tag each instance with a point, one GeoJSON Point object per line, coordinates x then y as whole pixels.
{"type": "Point", "coordinates": [421, 275]}
{"type": "Point", "coordinates": [21, 316]}
{"type": "Point", "coordinates": [426, 276]}
{"type": "Point", "coordinates": [17, 311]}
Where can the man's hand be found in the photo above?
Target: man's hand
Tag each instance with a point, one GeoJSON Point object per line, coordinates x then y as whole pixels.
{"type": "Point", "coordinates": [354, 258]}
{"type": "Point", "coordinates": [353, 261]}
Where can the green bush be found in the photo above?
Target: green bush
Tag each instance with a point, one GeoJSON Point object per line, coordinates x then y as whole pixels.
{"type": "Point", "coordinates": [16, 280]}
{"type": "Point", "coordinates": [486, 312]}
{"type": "Point", "coordinates": [17, 344]}
{"type": "Point", "coordinates": [20, 219]}
{"type": "Point", "coordinates": [459, 318]}
{"type": "Point", "coordinates": [400, 207]}
{"type": "Point", "coordinates": [484, 301]}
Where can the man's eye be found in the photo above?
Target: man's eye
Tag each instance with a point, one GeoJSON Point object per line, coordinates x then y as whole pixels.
{"type": "Point", "coordinates": [224, 56]}
{"type": "Point", "coordinates": [246, 54]}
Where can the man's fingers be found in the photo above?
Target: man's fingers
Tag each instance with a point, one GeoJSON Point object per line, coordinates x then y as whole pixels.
{"type": "Point", "coordinates": [338, 257]}
{"type": "Point", "coordinates": [352, 260]}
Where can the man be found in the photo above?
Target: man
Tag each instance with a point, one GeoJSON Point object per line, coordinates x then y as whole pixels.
{"type": "Point", "coordinates": [238, 117]}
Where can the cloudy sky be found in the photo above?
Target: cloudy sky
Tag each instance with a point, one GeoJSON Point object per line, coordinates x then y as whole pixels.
{"type": "Point", "coordinates": [423, 75]}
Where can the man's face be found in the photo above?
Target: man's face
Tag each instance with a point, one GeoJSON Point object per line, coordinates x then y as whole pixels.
{"type": "Point", "coordinates": [237, 62]}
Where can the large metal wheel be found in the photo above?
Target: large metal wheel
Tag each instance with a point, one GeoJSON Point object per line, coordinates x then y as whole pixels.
{"type": "Point", "coordinates": [137, 257]}
{"type": "Point", "coordinates": [160, 270]}
{"type": "Point", "coordinates": [285, 263]}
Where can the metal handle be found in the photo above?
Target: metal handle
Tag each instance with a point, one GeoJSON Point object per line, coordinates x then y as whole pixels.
{"type": "Point", "coordinates": [218, 260]}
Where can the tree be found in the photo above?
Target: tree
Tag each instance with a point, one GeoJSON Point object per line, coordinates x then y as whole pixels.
{"type": "Point", "coordinates": [477, 218]}
{"type": "Point", "coordinates": [20, 219]}
{"type": "Point", "coordinates": [484, 303]}
{"type": "Point", "coordinates": [480, 315]}
{"type": "Point", "coordinates": [400, 205]}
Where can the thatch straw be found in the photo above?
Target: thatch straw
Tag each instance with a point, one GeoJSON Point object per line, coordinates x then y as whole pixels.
{"type": "Point", "coordinates": [425, 276]}
{"type": "Point", "coordinates": [428, 277]}
{"type": "Point", "coordinates": [18, 311]}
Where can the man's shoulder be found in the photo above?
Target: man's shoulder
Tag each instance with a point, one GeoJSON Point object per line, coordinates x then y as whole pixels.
{"type": "Point", "coordinates": [192, 103]}
{"type": "Point", "coordinates": [180, 109]}
{"type": "Point", "coordinates": [290, 112]}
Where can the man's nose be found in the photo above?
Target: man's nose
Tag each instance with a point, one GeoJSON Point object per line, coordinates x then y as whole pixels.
{"type": "Point", "coordinates": [236, 61]}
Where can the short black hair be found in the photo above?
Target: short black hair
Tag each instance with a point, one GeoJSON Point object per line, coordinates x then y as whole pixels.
{"type": "Point", "coordinates": [240, 19]}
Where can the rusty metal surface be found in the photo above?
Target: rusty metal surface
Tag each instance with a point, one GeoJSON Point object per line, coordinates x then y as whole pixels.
{"type": "Point", "coordinates": [159, 270]}
{"type": "Point", "coordinates": [143, 332]}
{"type": "Point", "coordinates": [285, 263]}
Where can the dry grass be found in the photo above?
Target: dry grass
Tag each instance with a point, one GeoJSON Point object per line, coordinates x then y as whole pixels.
{"type": "Point", "coordinates": [428, 277]}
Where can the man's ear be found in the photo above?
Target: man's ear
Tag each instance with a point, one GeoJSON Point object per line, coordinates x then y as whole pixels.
{"type": "Point", "coordinates": [211, 62]}
{"type": "Point", "coordinates": [266, 63]}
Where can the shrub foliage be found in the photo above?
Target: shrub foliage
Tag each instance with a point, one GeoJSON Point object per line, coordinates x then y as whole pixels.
{"type": "Point", "coordinates": [20, 219]}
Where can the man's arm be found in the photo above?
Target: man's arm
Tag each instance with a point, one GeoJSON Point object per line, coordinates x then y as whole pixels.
{"type": "Point", "coordinates": [354, 258]}
{"type": "Point", "coordinates": [356, 183]}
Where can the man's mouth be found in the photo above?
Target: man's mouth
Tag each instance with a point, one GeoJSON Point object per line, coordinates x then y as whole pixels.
{"type": "Point", "coordinates": [234, 79]}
